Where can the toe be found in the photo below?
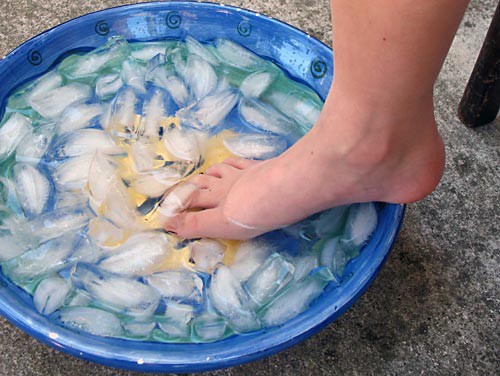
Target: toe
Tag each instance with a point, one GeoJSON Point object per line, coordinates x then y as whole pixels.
{"type": "Point", "coordinates": [203, 181]}
{"type": "Point", "coordinates": [221, 170]}
{"type": "Point", "coordinates": [208, 223]}
{"type": "Point", "coordinates": [206, 199]}
{"type": "Point", "coordinates": [212, 191]}
{"type": "Point", "coordinates": [240, 163]}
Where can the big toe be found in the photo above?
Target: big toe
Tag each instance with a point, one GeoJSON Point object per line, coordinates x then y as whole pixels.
{"type": "Point", "coordinates": [241, 163]}
{"type": "Point", "coordinates": [209, 223]}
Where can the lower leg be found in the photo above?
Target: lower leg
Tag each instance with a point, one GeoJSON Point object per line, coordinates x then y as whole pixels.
{"type": "Point", "coordinates": [376, 138]}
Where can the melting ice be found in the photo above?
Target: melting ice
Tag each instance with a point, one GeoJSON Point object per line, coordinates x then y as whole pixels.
{"type": "Point", "coordinates": [94, 156]}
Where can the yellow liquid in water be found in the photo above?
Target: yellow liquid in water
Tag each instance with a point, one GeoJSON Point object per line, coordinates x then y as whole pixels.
{"type": "Point", "coordinates": [215, 152]}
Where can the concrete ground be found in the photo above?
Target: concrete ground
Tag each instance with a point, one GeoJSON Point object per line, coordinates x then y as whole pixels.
{"type": "Point", "coordinates": [434, 308]}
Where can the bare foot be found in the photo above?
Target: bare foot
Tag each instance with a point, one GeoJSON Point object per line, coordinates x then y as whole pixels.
{"type": "Point", "coordinates": [378, 154]}
{"type": "Point", "coordinates": [215, 183]}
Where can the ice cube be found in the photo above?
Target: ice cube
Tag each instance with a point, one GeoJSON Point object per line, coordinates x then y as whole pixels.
{"type": "Point", "coordinates": [119, 208]}
{"type": "Point", "coordinates": [301, 230]}
{"type": "Point", "coordinates": [177, 57]}
{"type": "Point", "coordinates": [179, 285]}
{"type": "Point", "coordinates": [223, 85]}
{"type": "Point", "coordinates": [360, 223]}
{"type": "Point", "coordinates": [196, 48]}
{"type": "Point", "coordinates": [249, 256]}
{"type": "Point", "coordinates": [235, 55]}
{"type": "Point", "coordinates": [44, 84]}
{"type": "Point", "coordinates": [76, 298]}
{"type": "Point", "coordinates": [255, 146]}
{"type": "Point", "coordinates": [200, 76]}
{"type": "Point", "coordinates": [139, 255]}
{"type": "Point", "coordinates": [209, 111]}
{"type": "Point", "coordinates": [105, 234]}
{"type": "Point", "coordinates": [54, 102]}
{"type": "Point", "coordinates": [165, 78]}
{"type": "Point", "coordinates": [72, 173]}
{"type": "Point", "coordinates": [32, 187]}
{"type": "Point", "coordinates": [145, 156]}
{"type": "Point", "coordinates": [9, 248]}
{"type": "Point", "coordinates": [102, 179]}
{"type": "Point", "coordinates": [70, 199]}
{"type": "Point", "coordinates": [155, 110]}
{"type": "Point", "coordinates": [155, 183]}
{"type": "Point", "coordinates": [176, 321]}
{"type": "Point", "coordinates": [122, 119]}
{"type": "Point", "coordinates": [48, 258]}
{"type": "Point", "coordinates": [85, 142]}
{"type": "Point", "coordinates": [295, 299]}
{"type": "Point", "coordinates": [231, 301]}
{"type": "Point", "coordinates": [115, 292]}
{"type": "Point", "coordinates": [331, 221]}
{"type": "Point", "coordinates": [209, 327]}
{"type": "Point", "coordinates": [34, 145]}
{"type": "Point", "coordinates": [302, 106]}
{"type": "Point", "coordinates": [55, 223]}
{"type": "Point", "coordinates": [177, 200]}
{"type": "Point", "coordinates": [109, 56]}
{"type": "Point", "coordinates": [133, 75]}
{"type": "Point", "coordinates": [266, 118]}
{"type": "Point", "coordinates": [176, 87]}
{"type": "Point", "coordinates": [179, 312]}
{"type": "Point", "coordinates": [13, 130]}
{"type": "Point", "coordinates": [206, 254]}
{"type": "Point", "coordinates": [50, 294]}
{"type": "Point", "coordinates": [18, 99]}
{"type": "Point", "coordinates": [91, 320]}
{"type": "Point", "coordinates": [185, 144]}
{"type": "Point", "coordinates": [335, 256]}
{"type": "Point", "coordinates": [269, 279]}
{"type": "Point", "coordinates": [158, 61]}
{"type": "Point", "coordinates": [304, 266]}
{"type": "Point", "coordinates": [256, 83]}
{"type": "Point", "coordinates": [85, 251]}
{"type": "Point", "coordinates": [139, 329]}
{"type": "Point", "coordinates": [79, 116]}
{"type": "Point", "coordinates": [107, 86]}
{"type": "Point", "coordinates": [144, 52]}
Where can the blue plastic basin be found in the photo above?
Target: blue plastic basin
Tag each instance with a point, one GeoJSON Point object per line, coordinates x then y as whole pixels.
{"type": "Point", "coordinates": [307, 60]}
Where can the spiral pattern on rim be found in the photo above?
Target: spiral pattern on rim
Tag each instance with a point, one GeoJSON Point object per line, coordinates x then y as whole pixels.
{"type": "Point", "coordinates": [102, 28]}
{"type": "Point", "coordinates": [244, 28]}
{"type": "Point", "coordinates": [174, 20]}
{"type": "Point", "coordinates": [35, 57]}
{"type": "Point", "coordinates": [318, 68]}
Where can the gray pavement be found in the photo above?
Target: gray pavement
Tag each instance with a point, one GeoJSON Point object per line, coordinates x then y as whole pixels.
{"type": "Point", "coordinates": [434, 308]}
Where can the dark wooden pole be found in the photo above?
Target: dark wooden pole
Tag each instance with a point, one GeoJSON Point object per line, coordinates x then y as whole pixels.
{"type": "Point", "coordinates": [481, 100]}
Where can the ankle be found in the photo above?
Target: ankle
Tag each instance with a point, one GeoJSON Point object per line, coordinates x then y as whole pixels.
{"type": "Point", "coordinates": [395, 103]}
{"type": "Point", "coordinates": [401, 148]}
{"type": "Point", "coordinates": [372, 127]}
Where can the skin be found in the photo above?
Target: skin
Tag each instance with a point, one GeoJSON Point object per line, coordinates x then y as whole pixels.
{"type": "Point", "coordinates": [375, 140]}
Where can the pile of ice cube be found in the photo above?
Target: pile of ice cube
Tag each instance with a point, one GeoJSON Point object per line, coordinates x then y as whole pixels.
{"type": "Point", "coordinates": [93, 158]}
